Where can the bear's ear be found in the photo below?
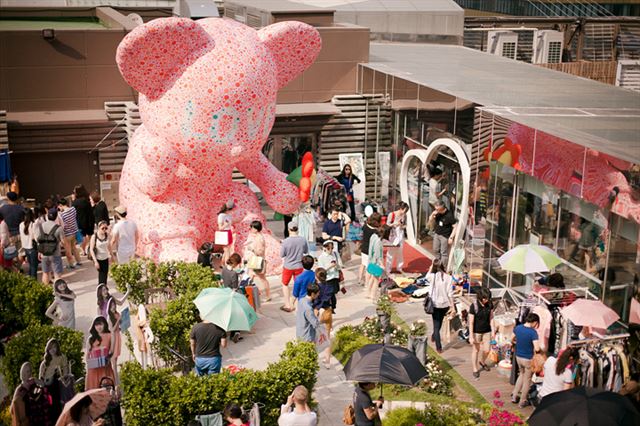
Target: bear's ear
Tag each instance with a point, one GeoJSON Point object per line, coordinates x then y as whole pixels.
{"type": "Point", "coordinates": [293, 45]}
{"type": "Point", "coordinates": [154, 55]}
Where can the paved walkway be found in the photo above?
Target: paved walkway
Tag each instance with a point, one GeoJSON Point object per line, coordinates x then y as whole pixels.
{"type": "Point", "coordinates": [275, 327]}
{"type": "Point", "coordinates": [458, 355]}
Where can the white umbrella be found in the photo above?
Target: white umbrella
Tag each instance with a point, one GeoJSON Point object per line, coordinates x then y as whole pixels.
{"type": "Point", "coordinates": [529, 258]}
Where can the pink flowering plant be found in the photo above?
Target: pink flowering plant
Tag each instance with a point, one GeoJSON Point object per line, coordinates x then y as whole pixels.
{"type": "Point", "coordinates": [498, 416]}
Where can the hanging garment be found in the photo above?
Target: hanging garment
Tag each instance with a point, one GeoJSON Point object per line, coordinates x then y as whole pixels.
{"type": "Point", "coordinates": [214, 419]}
{"type": "Point", "coordinates": [254, 415]}
{"type": "Point", "coordinates": [545, 325]}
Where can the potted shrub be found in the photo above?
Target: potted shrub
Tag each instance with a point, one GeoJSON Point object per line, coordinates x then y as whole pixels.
{"type": "Point", "coordinates": [418, 340]}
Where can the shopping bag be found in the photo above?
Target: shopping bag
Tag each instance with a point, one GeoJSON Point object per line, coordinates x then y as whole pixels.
{"type": "Point", "coordinates": [97, 358]}
{"type": "Point", "coordinates": [222, 238]}
{"type": "Point", "coordinates": [345, 252]}
{"type": "Point", "coordinates": [375, 270]}
{"type": "Point", "coordinates": [256, 263]}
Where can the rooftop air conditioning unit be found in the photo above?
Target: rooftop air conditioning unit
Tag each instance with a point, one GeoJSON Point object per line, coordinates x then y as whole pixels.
{"type": "Point", "coordinates": [502, 43]}
{"type": "Point", "coordinates": [547, 47]}
{"type": "Point", "coordinates": [196, 9]}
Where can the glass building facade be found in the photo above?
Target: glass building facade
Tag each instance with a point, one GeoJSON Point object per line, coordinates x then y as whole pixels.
{"type": "Point", "coordinates": [527, 187]}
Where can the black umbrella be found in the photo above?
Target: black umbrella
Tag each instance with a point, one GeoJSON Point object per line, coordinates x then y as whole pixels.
{"type": "Point", "coordinates": [585, 407]}
{"type": "Point", "coordinates": [379, 363]}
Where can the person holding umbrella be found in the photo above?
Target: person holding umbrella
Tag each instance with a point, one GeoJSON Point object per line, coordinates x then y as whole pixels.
{"type": "Point", "coordinates": [206, 339]}
{"type": "Point", "coordinates": [379, 363]}
{"type": "Point", "coordinates": [366, 410]}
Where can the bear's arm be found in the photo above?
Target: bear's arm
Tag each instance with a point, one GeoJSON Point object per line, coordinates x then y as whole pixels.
{"type": "Point", "coordinates": [153, 163]}
{"type": "Point", "coordinates": [279, 193]}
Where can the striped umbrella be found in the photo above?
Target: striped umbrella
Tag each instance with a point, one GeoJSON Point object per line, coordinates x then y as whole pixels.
{"type": "Point", "coordinates": [529, 258]}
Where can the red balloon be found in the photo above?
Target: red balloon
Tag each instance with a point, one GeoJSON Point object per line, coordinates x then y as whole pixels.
{"type": "Point", "coordinates": [304, 196]}
{"type": "Point", "coordinates": [308, 156]}
{"type": "Point", "coordinates": [305, 185]}
{"type": "Point", "coordinates": [307, 169]}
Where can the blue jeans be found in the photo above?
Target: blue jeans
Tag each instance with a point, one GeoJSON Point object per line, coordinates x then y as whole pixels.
{"type": "Point", "coordinates": [32, 258]}
{"type": "Point", "coordinates": [208, 365]}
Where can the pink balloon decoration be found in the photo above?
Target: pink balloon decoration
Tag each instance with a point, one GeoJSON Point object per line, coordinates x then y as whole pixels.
{"type": "Point", "coordinates": [207, 101]}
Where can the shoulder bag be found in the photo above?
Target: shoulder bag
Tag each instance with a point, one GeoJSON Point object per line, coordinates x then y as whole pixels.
{"type": "Point", "coordinates": [428, 301]}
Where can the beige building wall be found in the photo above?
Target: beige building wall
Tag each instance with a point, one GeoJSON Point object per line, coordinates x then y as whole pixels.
{"type": "Point", "coordinates": [75, 71]}
{"type": "Point", "coordinates": [335, 70]}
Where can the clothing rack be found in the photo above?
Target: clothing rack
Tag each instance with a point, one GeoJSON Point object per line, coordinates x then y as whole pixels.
{"type": "Point", "coordinates": [599, 339]}
{"type": "Point", "coordinates": [542, 295]}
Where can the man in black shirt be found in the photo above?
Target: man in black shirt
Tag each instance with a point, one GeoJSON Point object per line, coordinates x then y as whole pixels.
{"type": "Point", "coordinates": [206, 339]}
{"type": "Point", "coordinates": [13, 214]}
{"type": "Point", "coordinates": [481, 330]}
{"type": "Point", "coordinates": [365, 409]}
{"type": "Point", "coordinates": [444, 227]}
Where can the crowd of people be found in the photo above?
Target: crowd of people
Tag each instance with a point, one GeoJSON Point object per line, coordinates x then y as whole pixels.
{"type": "Point", "coordinates": [77, 228]}
{"type": "Point", "coordinates": [312, 279]}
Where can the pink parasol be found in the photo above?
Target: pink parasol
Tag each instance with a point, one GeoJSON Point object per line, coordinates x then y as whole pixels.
{"type": "Point", "coordinates": [634, 315]}
{"type": "Point", "coordinates": [590, 313]}
{"type": "Point", "coordinates": [99, 401]}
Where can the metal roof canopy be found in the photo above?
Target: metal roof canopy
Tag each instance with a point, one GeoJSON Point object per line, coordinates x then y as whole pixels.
{"type": "Point", "coordinates": [386, 5]}
{"type": "Point", "coordinates": [592, 114]}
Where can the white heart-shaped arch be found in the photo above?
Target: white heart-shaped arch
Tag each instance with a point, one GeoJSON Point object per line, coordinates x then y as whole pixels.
{"type": "Point", "coordinates": [425, 156]}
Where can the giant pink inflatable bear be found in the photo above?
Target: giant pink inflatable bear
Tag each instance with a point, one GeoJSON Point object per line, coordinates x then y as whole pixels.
{"type": "Point", "coordinates": [207, 101]}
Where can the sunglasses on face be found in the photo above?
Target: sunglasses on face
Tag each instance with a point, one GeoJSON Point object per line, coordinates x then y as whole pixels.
{"type": "Point", "coordinates": [104, 228]}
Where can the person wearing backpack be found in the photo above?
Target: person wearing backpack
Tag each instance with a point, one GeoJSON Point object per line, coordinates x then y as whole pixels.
{"type": "Point", "coordinates": [48, 236]}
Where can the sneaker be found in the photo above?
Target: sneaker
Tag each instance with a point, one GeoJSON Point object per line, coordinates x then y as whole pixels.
{"type": "Point", "coordinates": [515, 400]}
{"type": "Point", "coordinates": [78, 264]}
{"type": "Point", "coordinates": [524, 404]}
{"type": "Point", "coordinates": [476, 374]}
{"type": "Point", "coordinates": [71, 266]}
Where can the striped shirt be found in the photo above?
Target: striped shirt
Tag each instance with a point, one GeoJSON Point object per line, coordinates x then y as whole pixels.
{"type": "Point", "coordinates": [69, 219]}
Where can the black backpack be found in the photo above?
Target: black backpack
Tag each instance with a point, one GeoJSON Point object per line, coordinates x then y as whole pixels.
{"type": "Point", "coordinates": [47, 243]}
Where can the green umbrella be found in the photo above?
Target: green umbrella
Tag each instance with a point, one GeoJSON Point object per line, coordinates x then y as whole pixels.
{"type": "Point", "coordinates": [226, 308]}
{"type": "Point", "coordinates": [529, 258]}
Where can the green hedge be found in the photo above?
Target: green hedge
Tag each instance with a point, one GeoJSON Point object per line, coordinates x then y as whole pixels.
{"type": "Point", "coordinates": [171, 327]}
{"type": "Point", "coordinates": [434, 415]}
{"type": "Point", "coordinates": [29, 346]}
{"type": "Point", "coordinates": [142, 274]}
{"type": "Point", "coordinates": [23, 301]}
{"type": "Point", "coordinates": [158, 397]}
{"type": "Point", "coordinates": [350, 338]}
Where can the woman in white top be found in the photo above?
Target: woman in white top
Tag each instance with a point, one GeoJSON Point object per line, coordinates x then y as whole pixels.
{"type": "Point", "coordinates": [225, 223]}
{"type": "Point", "coordinates": [557, 373]}
{"type": "Point", "coordinates": [397, 221]}
{"type": "Point", "coordinates": [99, 251]}
{"type": "Point", "coordinates": [442, 296]}
{"type": "Point", "coordinates": [376, 257]}
{"type": "Point", "coordinates": [256, 246]}
{"type": "Point", "coordinates": [27, 235]}
{"type": "Point", "coordinates": [62, 311]}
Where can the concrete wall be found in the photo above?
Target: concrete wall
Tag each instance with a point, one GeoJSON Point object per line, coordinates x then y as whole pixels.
{"type": "Point", "coordinates": [335, 70]}
{"type": "Point", "coordinates": [446, 24]}
{"type": "Point", "coordinates": [75, 71]}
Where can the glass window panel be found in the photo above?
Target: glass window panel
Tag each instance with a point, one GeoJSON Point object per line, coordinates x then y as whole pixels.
{"type": "Point", "coordinates": [582, 236]}
{"type": "Point", "coordinates": [537, 212]}
{"type": "Point", "coordinates": [498, 220]}
{"type": "Point", "coordinates": [623, 265]}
